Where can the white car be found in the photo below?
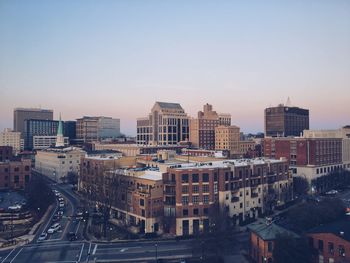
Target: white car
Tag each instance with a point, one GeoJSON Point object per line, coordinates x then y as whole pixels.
{"type": "Point", "coordinates": [42, 237]}
{"type": "Point", "coordinates": [54, 228]}
{"type": "Point", "coordinates": [15, 207]}
{"type": "Point", "coordinates": [332, 192]}
{"type": "Point", "coordinates": [61, 204]}
{"type": "Point", "coordinates": [60, 199]}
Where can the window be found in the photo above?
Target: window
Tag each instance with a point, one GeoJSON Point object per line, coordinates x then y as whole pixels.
{"type": "Point", "coordinates": [195, 189]}
{"type": "Point", "coordinates": [142, 202]}
{"type": "Point", "coordinates": [185, 189]}
{"type": "Point", "coordinates": [185, 212]}
{"type": "Point", "coordinates": [205, 211]}
{"type": "Point", "coordinates": [26, 168]}
{"type": "Point", "coordinates": [16, 179]}
{"type": "Point", "coordinates": [205, 177]}
{"type": "Point", "coordinates": [341, 251]}
{"type": "Point", "coordinates": [195, 178]}
{"type": "Point", "coordinates": [185, 178]}
{"type": "Point", "coordinates": [195, 199]}
{"type": "Point", "coordinates": [206, 188]}
{"type": "Point", "coordinates": [320, 245]}
{"type": "Point", "coordinates": [185, 200]}
{"type": "Point", "coordinates": [195, 211]}
{"type": "Point", "coordinates": [206, 199]}
{"type": "Point", "coordinates": [330, 248]}
{"type": "Point", "coordinates": [269, 246]}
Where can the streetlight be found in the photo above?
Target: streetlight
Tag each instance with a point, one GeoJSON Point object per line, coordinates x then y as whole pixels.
{"type": "Point", "coordinates": [156, 246]}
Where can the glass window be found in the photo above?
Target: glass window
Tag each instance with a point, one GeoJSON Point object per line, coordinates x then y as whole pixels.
{"type": "Point", "coordinates": [195, 178]}
{"type": "Point", "coordinates": [205, 177]}
{"type": "Point", "coordinates": [195, 199]}
{"type": "Point", "coordinates": [185, 200]}
{"type": "Point", "coordinates": [185, 189]}
{"type": "Point", "coordinates": [206, 199]}
{"type": "Point", "coordinates": [185, 178]}
{"type": "Point", "coordinates": [195, 189]}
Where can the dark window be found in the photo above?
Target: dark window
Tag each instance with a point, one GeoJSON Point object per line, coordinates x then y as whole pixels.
{"type": "Point", "coordinates": [185, 178]}
{"type": "Point", "coordinates": [320, 245]}
{"type": "Point", "coordinates": [330, 248]}
{"type": "Point", "coordinates": [16, 179]}
{"type": "Point", "coordinates": [269, 246]}
{"type": "Point", "coordinates": [184, 189]}
{"type": "Point", "coordinates": [142, 202]}
{"type": "Point", "coordinates": [194, 178]}
{"type": "Point", "coordinates": [26, 168]}
{"type": "Point", "coordinates": [205, 177]}
{"type": "Point", "coordinates": [185, 212]}
{"type": "Point", "coordinates": [195, 211]}
{"type": "Point", "coordinates": [341, 251]}
{"type": "Point", "coordinates": [205, 211]}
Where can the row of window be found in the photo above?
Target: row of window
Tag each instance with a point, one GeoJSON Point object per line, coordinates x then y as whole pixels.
{"type": "Point", "coordinates": [195, 189]}
{"type": "Point", "coordinates": [195, 199]}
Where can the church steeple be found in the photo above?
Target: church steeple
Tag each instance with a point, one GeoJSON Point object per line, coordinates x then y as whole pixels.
{"type": "Point", "coordinates": [59, 137]}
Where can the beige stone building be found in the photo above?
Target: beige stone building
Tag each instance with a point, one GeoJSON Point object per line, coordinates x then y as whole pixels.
{"type": "Point", "coordinates": [56, 163]}
{"type": "Point", "coordinates": [227, 138]}
{"type": "Point", "coordinates": [13, 139]}
{"type": "Point", "coordinates": [202, 128]}
{"type": "Point", "coordinates": [167, 124]}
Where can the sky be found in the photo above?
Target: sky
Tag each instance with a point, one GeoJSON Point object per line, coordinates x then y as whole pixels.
{"type": "Point", "coordinates": [116, 58]}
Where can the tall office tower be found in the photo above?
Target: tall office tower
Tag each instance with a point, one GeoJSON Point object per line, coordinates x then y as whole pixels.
{"type": "Point", "coordinates": [69, 130]}
{"type": "Point", "coordinates": [22, 114]}
{"type": "Point", "coordinates": [11, 138]}
{"type": "Point", "coordinates": [38, 128]}
{"type": "Point", "coordinates": [283, 121]}
{"type": "Point", "coordinates": [167, 124]}
{"type": "Point", "coordinates": [202, 128]}
{"type": "Point", "coordinates": [91, 129]}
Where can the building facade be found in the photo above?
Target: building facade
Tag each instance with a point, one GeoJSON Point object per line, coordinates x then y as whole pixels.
{"type": "Point", "coordinates": [227, 138]}
{"type": "Point", "coordinates": [167, 124]}
{"type": "Point", "coordinates": [202, 128]}
{"type": "Point", "coordinates": [283, 121]}
{"type": "Point", "coordinates": [57, 163]}
{"type": "Point", "coordinates": [6, 153]}
{"type": "Point", "coordinates": [13, 139]}
{"type": "Point", "coordinates": [44, 142]}
{"type": "Point", "coordinates": [38, 128]}
{"type": "Point", "coordinates": [91, 129]}
{"type": "Point", "coordinates": [15, 175]}
{"type": "Point", "coordinates": [22, 114]}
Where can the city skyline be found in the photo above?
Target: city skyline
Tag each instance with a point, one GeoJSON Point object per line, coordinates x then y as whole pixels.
{"type": "Point", "coordinates": [117, 58]}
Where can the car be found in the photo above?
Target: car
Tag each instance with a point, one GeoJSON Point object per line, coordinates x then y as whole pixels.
{"type": "Point", "coordinates": [332, 192]}
{"type": "Point", "coordinates": [61, 204]}
{"type": "Point", "coordinates": [60, 199]}
{"type": "Point", "coordinates": [71, 236]}
{"type": "Point", "coordinates": [56, 218]}
{"type": "Point", "coordinates": [42, 237]}
{"type": "Point", "coordinates": [60, 213]}
{"type": "Point", "coordinates": [16, 207]}
{"type": "Point", "coordinates": [54, 228]}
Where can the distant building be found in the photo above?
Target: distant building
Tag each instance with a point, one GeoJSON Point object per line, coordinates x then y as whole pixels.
{"type": "Point", "coordinates": [91, 129]}
{"type": "Point", "coordinates": [283, 121]}
{"type": "Point", "coordinates": [44, 142]}
{"type": "Point", "coordinates": [227, 138]}
{"type": "Point", "coordinates": [262, 240]}
{"type": "Point", "coordinates": [308, 157]}
{"type": "Point", "coordinates": [15, 175]}
{"type": "Point", "coordinates": [38, 128]}
{"type": "Point", "coordinates": [6, 153]}
{"type": "Point", "coordinates": [13, 139]}
{"type": "Point", "coordinates": [202, 128]}
{"type": "Point", "coordinates": [69, 130]}
{"type": "Point", "coordinates": [22, 114]}
{"type": "Point", "coordinates": [167, 124]}
{"type": "Point", "coordinates": [331, 242]}
{"type": "Point", "coordinates": [56, 163]}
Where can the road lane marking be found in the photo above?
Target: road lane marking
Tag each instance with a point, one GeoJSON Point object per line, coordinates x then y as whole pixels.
{"type": "Point", "coordinates": [81, 251]}
{"type": "Point", "coordinates": [16, 255]}
{"type": "Point", "coordinates": [76, 231]}
{"type": "Point", "coordinates": [94, 251]}
{"type": "Point", "coordinates": [89, 248]}
{"type": "Point", "coordinates": [8, 255]}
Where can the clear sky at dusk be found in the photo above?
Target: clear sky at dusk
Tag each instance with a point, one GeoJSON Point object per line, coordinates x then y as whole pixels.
{"type": "Point", "coordinates": [116, 58]}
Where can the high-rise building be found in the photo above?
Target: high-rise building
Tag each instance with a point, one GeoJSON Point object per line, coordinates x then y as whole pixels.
{"type": "Point", "coordinates": [283, 121]}
{"type": "Point", "coordinates": [13, 139]}
{"type": "Point", "coordinates": [167, 124]}
{"type": "Point", "coordinates": [22, 114]}
{"type": "Point", "coordinates": [91, 129]}
{"type": "Point", "coordinates": [38, 128]}
{"type": "Point", "coordinates": [69, 130]}
{"type": "Point", "coordinates": [202, 128]}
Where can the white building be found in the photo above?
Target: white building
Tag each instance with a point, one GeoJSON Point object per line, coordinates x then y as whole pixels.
{"type": "Point", "coordinates": [56, 163]}
{"type": "Point", "coordinates": [13, 139]}
{"type": "Point", "coordinates": [44, 142]}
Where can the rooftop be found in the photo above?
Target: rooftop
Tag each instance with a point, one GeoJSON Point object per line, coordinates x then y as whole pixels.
{"type": "Point", "coordinates": [340, 228]}
{"type": "Point", "coordinates": [269, 231]}
{"type": "Point", "coordinates": [169, 105]}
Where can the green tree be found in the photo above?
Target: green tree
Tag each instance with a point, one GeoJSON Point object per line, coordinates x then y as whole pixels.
{"type": "Point", "coordinates": [288, 249]}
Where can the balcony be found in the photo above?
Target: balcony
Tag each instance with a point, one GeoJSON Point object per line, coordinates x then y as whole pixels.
{"type": "Point", "coordinates": [234, 199]}
{"type": "Point", "coordinates": [254, 195]}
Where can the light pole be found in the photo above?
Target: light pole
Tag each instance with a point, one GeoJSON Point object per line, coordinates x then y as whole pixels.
{"type": "Point", "coordinates": [156, 246]}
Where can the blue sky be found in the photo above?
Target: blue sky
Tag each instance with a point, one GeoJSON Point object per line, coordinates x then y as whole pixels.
{"type": "Point", "coordinates": [115, 58]}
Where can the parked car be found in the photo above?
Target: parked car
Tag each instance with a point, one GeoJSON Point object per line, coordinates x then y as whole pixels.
{"type": "Point", "coordinates": [61, 204]}
{"type": "Point", "coordinates": [60, 213]}
{"type": "Point", "coordinates": [56, 218]}
{"type": "Point", "coordinates": [42, 237]}
{"type": "Point", "coordinates": [332, 192]}
{"type": "Point", "coordinates": [60, 199]}
{"type": "Point", "coordinates": [54, 228]}
{"type": "Point", "coordinates": [16, 207]}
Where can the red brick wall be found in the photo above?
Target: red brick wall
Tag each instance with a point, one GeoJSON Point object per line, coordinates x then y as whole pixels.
{"type": "Point", "coordinates": [259, 249]}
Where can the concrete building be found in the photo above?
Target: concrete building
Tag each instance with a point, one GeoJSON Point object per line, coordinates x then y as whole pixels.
{"type": "Point", "coordinates": [13, 139]}
{"type": "Point", "coordinates": [227, 138]}
{"type": "Point", "coordinates": [15, 175]}
{"type": "Point", "coordinates": [22, 114]}
{"type": "Point", "coordinates": [202, 128]}
{"type": "Point", "coordinates": [91, 129]}
{"type": "Point", "coordinates": [38, 128]}
{"type": "Point", "coordinates": [285, 121]}
{"type": "Point", "coordinates": [44, 142]}
{"type": "Point", "coordinates": [56, 163]}
{"type": "Point", "coordinates": [167, 124]}
{"type": "Point", "coordinates": [308, 157]}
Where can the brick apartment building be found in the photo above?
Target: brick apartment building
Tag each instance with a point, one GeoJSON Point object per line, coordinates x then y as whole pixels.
{"type": "Point", "coordinates": [331, 242]}
{"type": "Point", "coordinates": [308, 157]}
{"type": "Point", "coordinates": [15, 175]}
{"type": "Point", "coordinates": [6, 153]}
